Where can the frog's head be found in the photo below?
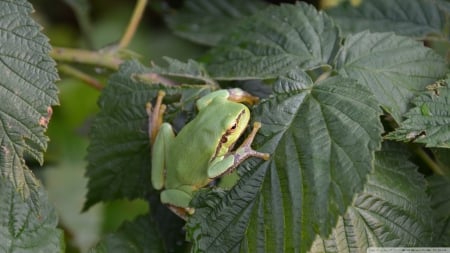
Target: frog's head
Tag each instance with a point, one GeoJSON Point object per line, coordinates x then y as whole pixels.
{"type": "Point", "coordinates": [234, 123]}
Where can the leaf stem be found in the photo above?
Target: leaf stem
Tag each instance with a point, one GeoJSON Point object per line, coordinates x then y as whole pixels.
{"type": "Point", "coordinates": [134, 22]}
{"type": "Point", "coordinates": [104, 59]}
{"type": "Point", "coordinates": [91, 81]}
{"type": "Point", "coordinates": [427, 160]}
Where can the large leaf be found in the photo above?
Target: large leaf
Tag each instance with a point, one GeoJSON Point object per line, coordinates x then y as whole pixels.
{"type": "Point", "coordinates": [274, 41]}
{"type": "Point", "coordinates": [439, 190]}
{"type": "Point", "coordinates": [208, 21]}
{"type": "Point", "coordinates": [322, 139]}
{"type": "Point", "coordinates": [393, 67]}
{"type": "Point", "coordinates": [392, 211]}
{"type": "Point", "coordinates": [418, 18]}
{"type": "Point", "coordinates": [27, 230]}
{"type": "Point", "coordinates": [27, 88]}
{"type": "Point", "coordinates": [119, 152]}
{"type": "Point", "coordinates": [429, 121]}
{"type": "Point", "coordinates": [27, 92]}
{"type": "Point", "coordinates": [140, 235]}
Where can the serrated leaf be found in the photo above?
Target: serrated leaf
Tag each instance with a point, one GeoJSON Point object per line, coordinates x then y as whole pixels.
{"type": "Point", "coordinates": [119, 152]}
{"type": "Point", "coordinates": [322, 140]}
{"type": "Point", "coordinates": [25, 229]}
{"type": "Point", "coordinates": [429, 121]}
{"type": "Point", "coordinates": [208, 21]}
{"type": "Point", "coordinates": [27, 92]}
{"type": "Point", "coordinates": [418, 18]}
{"type": "Point", "coordinates": [275, 41]}
{"type": "Point", "coordinates": [27, 88]}
{"type": "Point", "coordinates": [392, 211]}
{"type": "Point", "coordinates": [392, 67]}
{"type": "Point", "coordinates": [439, 191]}
{"type": "Point", "coordinates": [140, 235]}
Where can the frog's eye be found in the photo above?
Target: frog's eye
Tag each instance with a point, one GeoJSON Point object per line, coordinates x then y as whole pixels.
{"type": "Point", "coordinates": [231, 129]}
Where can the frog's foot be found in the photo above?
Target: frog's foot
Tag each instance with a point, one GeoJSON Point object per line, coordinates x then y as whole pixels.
{"type": "Point", "coordinates": [181, 212]}
{"type": "Point", "coordinates": [245, 150]}
{"type": "Point", "coordinates": [155, 115]}
{"type": "Point", "coordinates": [178, 202]}
{"type": "Point", "coordinates": [241, 96]}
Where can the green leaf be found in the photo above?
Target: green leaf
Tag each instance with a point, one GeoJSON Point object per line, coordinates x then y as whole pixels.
{"type": "Point", "coordinates": [439, 190]}
{"type": "Point", "coordinates": [208, 21]}
{"type": "Point", "coordinates": [393, 67]}
{"type": "Point", "coordinates": [137, 236]}
{"type": "Point", "coordinates": [119, 152]}
{"type": "Point", "coordinates": [27, 88]}
{"type": "Point", "coordinates": [322, 139]}
{"type": "Point", "coordinates": [419, 19]}
{"type": "Point", "coordinates": [392, 211]}
{"type": "Point", "coordinates": [275, 41]}
{"type": "Point", "coordinates": [27, 92]}
{"type": "Point", "coordinates": [25, 229]}
{"type": "Point", "coordinates": [429, 121]}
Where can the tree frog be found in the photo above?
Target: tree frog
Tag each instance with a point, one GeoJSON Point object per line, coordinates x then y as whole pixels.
{"type": "Point", "coordinates": [203, 149]}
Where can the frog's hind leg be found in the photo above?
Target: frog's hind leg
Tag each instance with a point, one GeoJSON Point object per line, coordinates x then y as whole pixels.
{"type": "Point", "coordinates": [178, 202]}
{"type": "Point", "coordinates": [160, 135]}
{"type": "Point", "coordinates": [160, 155]}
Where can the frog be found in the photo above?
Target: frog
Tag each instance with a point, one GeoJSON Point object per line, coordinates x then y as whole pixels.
{"type": "Point", "coordinates": [203, 150]}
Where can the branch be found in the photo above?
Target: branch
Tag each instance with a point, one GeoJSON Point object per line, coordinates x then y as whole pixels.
{"type": "Point", "coordinates": [134, 22]}
{"type": "Point", "coordinates": [102, 59]}
{"type": "Point", "coordinates": [91, 81]}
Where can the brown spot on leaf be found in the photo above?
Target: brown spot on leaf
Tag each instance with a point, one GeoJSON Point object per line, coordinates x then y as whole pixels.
{"type": "Point", "coordinates": [43, 121]}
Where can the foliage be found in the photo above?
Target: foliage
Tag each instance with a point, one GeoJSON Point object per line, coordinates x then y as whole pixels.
{"type": "Point", "coordinates": [356, 122]}
{"type": "Point", "coordinates": [27, 92]}
{"type": "Point", "coordinates": [132, 237]}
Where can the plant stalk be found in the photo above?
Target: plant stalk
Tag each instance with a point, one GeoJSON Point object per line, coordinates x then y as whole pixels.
{"type": "Point", "coordinates": [107, 60]}
{"type": "Point", "coordinates": [427, 160]}
{"type": "Point", "coordinates": [134, 22]}
{"type": "Point", "coordinates": [91, 81]}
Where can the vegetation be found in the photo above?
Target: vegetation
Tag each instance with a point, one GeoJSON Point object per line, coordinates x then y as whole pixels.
{"type": "Point", "coordinates": [354, 106]}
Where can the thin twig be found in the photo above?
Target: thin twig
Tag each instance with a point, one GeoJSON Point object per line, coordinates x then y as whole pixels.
{"type": "Point", "coordinates": [134, 22]}
{"type": "Point", "coordinates": [91, 81]}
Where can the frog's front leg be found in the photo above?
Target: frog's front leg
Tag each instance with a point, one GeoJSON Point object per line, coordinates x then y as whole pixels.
{"type": "Point", "coordinates": [227, 163]}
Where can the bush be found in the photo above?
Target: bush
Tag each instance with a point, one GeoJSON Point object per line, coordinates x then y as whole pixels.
{"type": "Point", "coordinates": [354, 106]}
